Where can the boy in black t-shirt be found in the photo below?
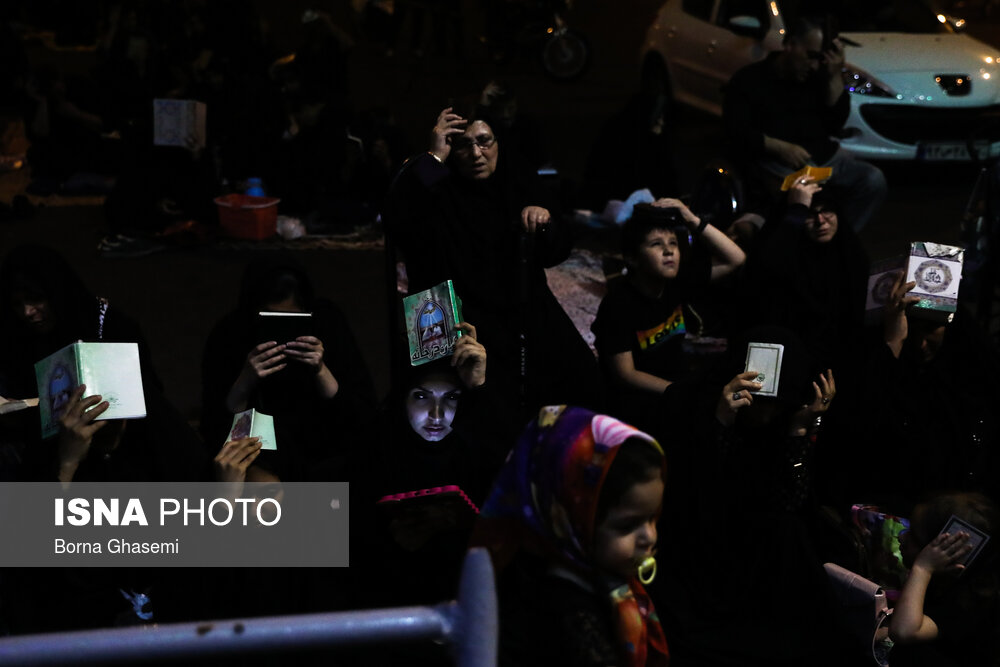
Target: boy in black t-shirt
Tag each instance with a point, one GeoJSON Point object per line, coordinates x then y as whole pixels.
{"type": "Point", "coordinates": [641, 323]}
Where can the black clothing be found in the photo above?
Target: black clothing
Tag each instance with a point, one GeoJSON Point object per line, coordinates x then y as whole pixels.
{"type": "Point", "coordinates": [968, 627]}
{"type": "Point", "coordinates": [629, 156]}
{"type": "Point", "coordinates": [469, 231]}
{"type": "Point", "coordinates": [742, 495]}
{"type": "Point", "coordinates": [653, 330]}
{"type": "Point", "coordinates": [40, 274]}
{"type": "Point", "coordinates": [815, 289]}
{"type": "Point", "coordinates": [308, 428]}
{"type": "Point", "coordinates": [546, 619]}
{"type": "Point", "coordinates": [161, 447]}
{"type": "Point", "coordinates": [395, 459]}
{"type": "Point", "coordinates": [758, 102]}
{"type": "Point", "coordinates": [927, 427]}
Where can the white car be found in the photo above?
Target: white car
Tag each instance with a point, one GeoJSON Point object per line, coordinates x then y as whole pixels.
{"type": "Point", "coordinates": [918, 87]}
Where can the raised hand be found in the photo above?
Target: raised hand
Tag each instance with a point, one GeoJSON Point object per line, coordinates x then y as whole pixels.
{"type": "Point", "coordinates": [944, 552]}
{"type": "Point", "coordinates": [833, 59]}
{"type": "Point", "coordinates": [823, 393]}
{"type": "Point", "coordinates": [803, 191]}
{"type": "Point", "coordinates": [77, 428]}
{"type": "Point", "coordinates": [738, 393]}
{"type": "Point", "coordinates": [690, 219]}
{"type": "Point", "coordinates": [231, 463]}
{"type": "Point", "coordinates": [448, 125]}
{"type": "Point", "coordinates": [895, 326]}
{"type": "Point", "coordinates": [793, 155]}
{"type": "Point", "coordinates": [469, 358]}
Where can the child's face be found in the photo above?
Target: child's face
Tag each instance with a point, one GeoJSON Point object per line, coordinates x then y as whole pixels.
{"type": "Point", "coordinates": [627, 534]}
{"type": "Point", "coordinates": [659, 256]}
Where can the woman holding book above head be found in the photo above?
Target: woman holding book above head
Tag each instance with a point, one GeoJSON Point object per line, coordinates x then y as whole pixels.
{"type": "Point", "coordinates": [471, 211]}
{"type": "Point", "coordinates": [289, 354]}
{"type": "Point", "coordinates": [437, 430]}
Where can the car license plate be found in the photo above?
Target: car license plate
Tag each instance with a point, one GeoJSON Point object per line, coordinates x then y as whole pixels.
{"type": "Point", "coordinates": [949, 151]}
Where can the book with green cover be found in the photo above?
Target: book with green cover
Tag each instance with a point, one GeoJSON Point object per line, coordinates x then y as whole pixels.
{"type": "Point", "coordinates": [253, 424]}
{"type": "Point", "coordinates": [430, 318]}
{"type": "Point", "coordinates": [109, 369]}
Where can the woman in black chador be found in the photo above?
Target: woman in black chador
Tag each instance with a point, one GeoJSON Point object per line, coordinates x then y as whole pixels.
{"type": "Point", "coordinates": [315, 384]}
{"type": "Point", "coordinates": [468, 211]}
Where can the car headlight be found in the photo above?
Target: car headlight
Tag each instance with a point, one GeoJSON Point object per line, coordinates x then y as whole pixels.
{"type": "Point", "coordinates": [860, 82]}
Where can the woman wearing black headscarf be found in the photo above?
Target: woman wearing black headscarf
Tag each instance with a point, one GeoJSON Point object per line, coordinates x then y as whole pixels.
{"type": "Point", "coordinates": [439, 427]}
{"type": "Point", "coordinates": [469, 211]}
{"type": "Point", "coordinates": [315, 386]}
{"type": "Point", "coordinates": [810, 274]}
{"type": "Point", "coordinates": [45, 306]}
{"type": "Point", "coordinates": [742, 503]}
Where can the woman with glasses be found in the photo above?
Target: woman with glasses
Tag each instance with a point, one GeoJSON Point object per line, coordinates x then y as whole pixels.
{"type": "Point", "coordinates": [810, 273]}
{"type": "Point", "coordinates": [471, 211]}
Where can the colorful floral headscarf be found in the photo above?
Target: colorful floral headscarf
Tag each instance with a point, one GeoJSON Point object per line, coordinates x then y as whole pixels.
{"type": "Point", "coordinates": [545, 500]}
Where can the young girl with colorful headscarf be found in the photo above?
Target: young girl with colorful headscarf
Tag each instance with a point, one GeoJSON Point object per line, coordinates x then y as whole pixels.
{"type": "Point", "coordinates": [573, 513]}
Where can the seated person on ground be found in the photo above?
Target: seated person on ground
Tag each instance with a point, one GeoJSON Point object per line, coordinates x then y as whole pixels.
{"type": "Point", "coordinates": [437, 429]}
{"type": "Point", "coordinates": [641, 323]}
{"type": "Point", "coordinates": [315, 386]}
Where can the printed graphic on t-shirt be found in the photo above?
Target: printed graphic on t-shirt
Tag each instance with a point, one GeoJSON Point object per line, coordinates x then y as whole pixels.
{"type": "Point", "coordinates": [674, 326]}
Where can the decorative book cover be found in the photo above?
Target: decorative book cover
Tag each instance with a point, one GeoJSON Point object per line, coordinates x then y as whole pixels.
{"type": "Point", "coordinates": [937, 270]}
{"type": "Point", "coordinates": [176, 120]}
{"type": "Point", "coordinates": [430, 318]}
{"type": "Point", "coordinates": [253, 424]}
{"type": "Point", "coordinates": [765, 359]}
{"type": "Point", "coordinates": [880, 280]}
{"type": "Point", "coordinates": [881, 277]}
{"type": "Point", "coordinates": [109, 369]}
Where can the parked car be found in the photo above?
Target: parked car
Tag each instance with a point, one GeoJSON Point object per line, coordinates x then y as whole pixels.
{"type": "Point", "coordinates": [919, 87]}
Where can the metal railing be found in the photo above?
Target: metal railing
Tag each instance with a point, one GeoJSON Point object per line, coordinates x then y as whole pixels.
{"type": "Point", "coordinates": [468, 625]}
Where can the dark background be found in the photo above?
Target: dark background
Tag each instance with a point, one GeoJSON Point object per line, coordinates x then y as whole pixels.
{"type": "Point", "coordinates": [178, 295]}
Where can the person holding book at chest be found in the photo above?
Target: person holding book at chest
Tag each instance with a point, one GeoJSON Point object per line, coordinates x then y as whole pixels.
{"type": "Point", "coordinates": [45, 306]}
{"type": "Point", "coordinates": [809, 273]}
{"type": "Point", "coordinates": [291, 355]}
{"type": "Point", "coordinates": [434, 435]}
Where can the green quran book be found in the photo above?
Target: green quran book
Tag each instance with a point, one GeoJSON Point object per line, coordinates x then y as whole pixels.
{"type": "Point", "coordinates": [108, 369]}
{"type": "Point", "coordinates": [430, 318]}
